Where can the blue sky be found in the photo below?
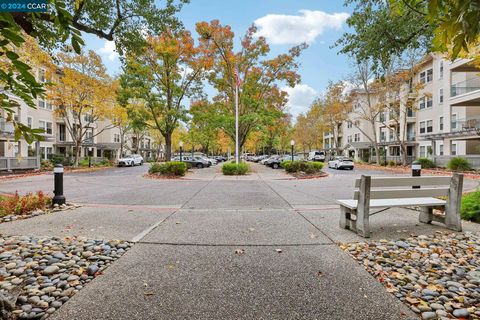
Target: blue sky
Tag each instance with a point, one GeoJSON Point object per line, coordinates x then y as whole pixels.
{"type": "Point", "coordinates": [284, 23]}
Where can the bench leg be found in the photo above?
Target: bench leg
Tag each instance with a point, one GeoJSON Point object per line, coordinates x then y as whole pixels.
{"type": "Point", "coordinates": [452, 219]}
{"type": "Point", "coordinates": [345, 216]}
{"type": "Point", "coordinates": [426, 215]}
{"type": "Point", "coordinates": [363, 223]}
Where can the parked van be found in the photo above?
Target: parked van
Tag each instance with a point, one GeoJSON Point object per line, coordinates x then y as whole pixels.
{"type": "Point", "coordinates": [316, 156]}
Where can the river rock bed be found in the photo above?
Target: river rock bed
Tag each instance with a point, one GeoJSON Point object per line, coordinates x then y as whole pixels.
{"type": "Point", "coordinates": [39, 274]}
{"type": "Point", "coordinates": [39, 212]}
{"type": "Point", "coordinates": [437, 276]}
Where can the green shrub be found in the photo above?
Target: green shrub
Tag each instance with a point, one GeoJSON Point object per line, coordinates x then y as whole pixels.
{"type": "Point", "coordinates": [230, 169]}
{"type": "Point", "coordinates": [83, 163]}
{"type": "Point", "coordinates": [302, 166]}
{"type": "Point", "coordinates": [392, 163]}
{"type": "Point", "coordinates": [470, 209]}
{"type": "Point", "coordinates": [58, 159]}
{"type": "Point", "coordinates": [459, 164]}
{"type": "Point", "coordinates": [426, 163]}
{"type": "Point", "coordinates": [172, 168]}
{"type": "Point", "coordinates": [105, 162]}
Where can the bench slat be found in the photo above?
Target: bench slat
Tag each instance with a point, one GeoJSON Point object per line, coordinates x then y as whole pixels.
{"type": "Point", "coordinates": [406, 181]}
{"type": "Point", "coordinates": [405, 193]}
{"type": "Point", "coordinates": [385, 203]}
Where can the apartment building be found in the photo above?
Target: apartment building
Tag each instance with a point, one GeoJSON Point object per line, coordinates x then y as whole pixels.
{"type": "Point", "coordinates": [444, 123]}
{"type": "Point", "coordinates": [102, 139]}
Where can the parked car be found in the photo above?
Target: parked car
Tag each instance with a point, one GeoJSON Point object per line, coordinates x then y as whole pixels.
{"type": "Point", "coordinates": [130, 160]}
{"type": "Point", "coordinates": [275, 163]}
{"type": "Point", "coordinates": [341, 163]}
{"type": "Point", "coordinates": [195, 162]}
{"type": "Point", "coordinates": [209, 160]}
{"type": "Point", "coordinates": [220, 158]}
{"type": "Point", "coordinates": [259, 158]}
{"type": "Point", "coordinates": [316, 156]}
{"type": "Point", "coordinates": [264, 161]}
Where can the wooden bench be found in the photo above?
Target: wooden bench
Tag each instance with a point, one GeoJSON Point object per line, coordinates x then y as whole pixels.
{"type": "Point", "coordinates": [383, 192]}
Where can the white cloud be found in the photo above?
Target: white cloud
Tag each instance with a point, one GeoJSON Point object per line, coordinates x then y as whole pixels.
{"type": "Point", "coordinates": [300, 98]}
{"type": "Point", "coordinates": [109, 50]}
{"type": "Point", "coordinates": [289, 29]}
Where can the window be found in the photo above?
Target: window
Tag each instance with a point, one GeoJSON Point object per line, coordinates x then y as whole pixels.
{"type": "Point", "coordinates": [88, 118]}
{"type": "Point", "coordinates": [48, 105]}
{"type": "Point", "coordinates": [429, 102]}
{"type": "Point", "coordinates": [441, 70]}
{"type": "Point", "coordinates": [41, 75]}
{"type": "Point", "coordinates": [89, 136]}
{"type": "Point", "coordinates": [29, 122]}
{"type": "Point", "coordinates": [116, 137]}
{"type": "Point", "coordinates": [429, 75]}
{"type": "Point", "coordinates": [422, 127]}
{"type": "Point", "coordinates": [349, 139]}
{"type": "Point", "coordinates": [46, 152]}
{"type": "Point", "coordinates": [430, 126]}
{"type": "Point", "coordinates": [382, 136]}
{"type": "Point", "coordinates": [422, 77]}
{"type": "Point", "coordinates": [61, 132]}
{"type": "Point", "coordinates": [46, 126]}
{"type": "Point", "coordinates": [440, 96]}
{"type": "Point", "coordinates": [422, 103]}
{"type": "Point", "coordinates": [454, 121]}
{"type": "Point", "coordinates": [440, 149]}
{"type": "Point", "coordinates": [41, 104]}
{"type": "Point", "coordinates": [357, 137]}
{"type": "Point", "coordinates": [349, 124]}
{"type": "Point", "coordinates": [423, 151]}
{"type": "Point", "coordinates": [453, 149]}
{"type": "Point", "coordinates": [441, 124]}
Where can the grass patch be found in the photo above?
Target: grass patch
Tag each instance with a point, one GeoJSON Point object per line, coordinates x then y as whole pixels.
{"type": "Point", "coordinates": [233, 169]}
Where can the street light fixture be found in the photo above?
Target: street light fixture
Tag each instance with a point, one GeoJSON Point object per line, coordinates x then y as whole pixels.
{"type": "Point", "coordinates": [292, 143]}
{"type": "Point", "coordinates": [181, 150]}
{"type": "Point", "coordinates": [90, 149]}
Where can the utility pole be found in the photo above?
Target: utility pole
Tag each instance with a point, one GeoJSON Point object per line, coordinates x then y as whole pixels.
{"type": "Point", "coordinates": [237, 151]}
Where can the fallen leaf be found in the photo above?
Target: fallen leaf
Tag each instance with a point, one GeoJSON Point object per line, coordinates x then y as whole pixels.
{"type": "Point", "coordinates": [319, 273]}
{"type": "Point", "coordinates": [279, 250]}
{"type": "Point", "coordinates": [239, 251]}
{"type": "Point", "coordinates": [148, 293]}
{"type": "Point", "coordinates": [251, 229]}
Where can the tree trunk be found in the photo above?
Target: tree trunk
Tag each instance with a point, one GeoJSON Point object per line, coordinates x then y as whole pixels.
{"type": "Point", "coordinates": [77, 153]}
{"type": "Point", "coordinates": [377, 153]}
{"type": "Point", "coordinates": [168, 146]}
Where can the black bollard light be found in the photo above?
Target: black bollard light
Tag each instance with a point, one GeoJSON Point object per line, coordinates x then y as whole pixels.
{"type": "Point", "coordinates": [416, 171]}
{"type": "Point", "coordinates": [58, 198]}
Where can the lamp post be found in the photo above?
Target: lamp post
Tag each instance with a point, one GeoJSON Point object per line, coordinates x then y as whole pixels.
{"type": "Point", "coordinates": [90, 149]}
{"type": "Point", "coordinates": [292, 143]}
{"type": "Point", "coordinates": [181, 150]}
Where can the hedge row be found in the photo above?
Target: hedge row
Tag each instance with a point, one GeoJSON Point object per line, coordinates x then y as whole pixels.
{"type": "Point", "coordinates": [231, 169]}
{"type": "Point", "coordinates": [302, 166]}
{"type": "Point", "coordinates": [172, 168]}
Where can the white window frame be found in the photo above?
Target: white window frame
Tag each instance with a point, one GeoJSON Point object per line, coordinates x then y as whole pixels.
{"type": "Point", "coordinates": [454, 115]}
{"type": "Point", "coordinates": [427, 126]}
{"type": "Point", "coordinates": [420, 127]}
{"type": "Point", "coordinates": [441, 124]}
{"type": "Point", "coordinates": [422, 152]}
{"type": "Point", "coordinates": [423, 77]}
{"type": "Point", "coordinates": [39, 71]}
{"type": "Point", "coordinates": [440, 96]}
{"type": "Point", "coordinates": [427, 101]}
{"type": "Point", "coordinates": [440, 149]}
{"type": "Point", "coordinates": [440, 73]}
{"type": "Point", "coordinates": [429, 78]}
{"type": "Point", "coordinates": [30, 122]}
{"type": "Point", "coordinates": [45, 127]}
{"type": "Point", "coordinates": [452, 146]}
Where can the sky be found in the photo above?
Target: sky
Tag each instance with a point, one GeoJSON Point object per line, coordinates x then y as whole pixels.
{"type": "Point", "coordinates": [284, 23]}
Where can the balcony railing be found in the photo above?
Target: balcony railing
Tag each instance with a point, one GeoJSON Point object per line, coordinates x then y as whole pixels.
{"type": "Point", "coordinates": [471, 123]}
{"type": "Point", "coordinates": [465, 87]}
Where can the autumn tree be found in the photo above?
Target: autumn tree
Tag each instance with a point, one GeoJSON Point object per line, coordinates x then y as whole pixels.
{"type": "Point", "coordinates": [397, 95]}
{"type": "Point", "coordinates": [336, 106]}
{"type": "Point", "coordinates": [122, 21]}
{"type": "Point", "coordinates": [258, 77]}
{"type": "Point", "coordinates": [202, 125]}
{"type": "Point", "coordinates": [83, 95]}
{"type": "Point", "coordinates": [309, 128]}
{"type": "Point", "coordinates": [168, 70]}
{"type": "Point", "coordinates": [366, 107]}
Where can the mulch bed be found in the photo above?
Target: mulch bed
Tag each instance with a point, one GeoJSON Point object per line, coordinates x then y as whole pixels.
{"type": "Point", "coordinates": [303, 176]}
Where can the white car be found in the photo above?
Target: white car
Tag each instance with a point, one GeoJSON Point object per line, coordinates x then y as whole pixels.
{"type": "Point", "coordinates": [341, 163]}
{"type": "Point", "coordinates": [212, 161]}
{"type": "Point", "coordinates": [316, 156]}
{"type": "Point", "coordinates": [130, 160]}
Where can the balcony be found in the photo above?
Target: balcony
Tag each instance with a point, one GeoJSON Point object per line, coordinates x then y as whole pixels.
{"type": "Point", "coordinates": [467, 124]}
{"type": "Point", "coordinates": [466, 93]}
